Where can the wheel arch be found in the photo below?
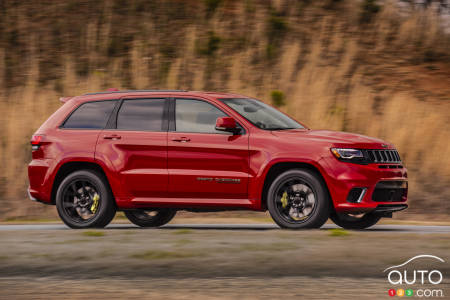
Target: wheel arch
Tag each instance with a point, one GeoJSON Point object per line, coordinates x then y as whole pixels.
{"type": "Point", "coordinates": [70, 167]}
{"type": "Point", "coordinates": [281, 167]}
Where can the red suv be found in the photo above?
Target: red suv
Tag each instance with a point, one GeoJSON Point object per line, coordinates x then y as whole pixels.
{"type": "Point", "coordinates": [151, 153]}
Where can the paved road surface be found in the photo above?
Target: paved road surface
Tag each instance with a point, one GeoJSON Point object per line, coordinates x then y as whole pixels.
{"type": "Point", "coordinates": [377, 228]}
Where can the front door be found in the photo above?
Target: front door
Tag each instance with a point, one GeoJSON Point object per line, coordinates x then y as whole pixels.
{"type": "Point", "coordinates": [202, 161]}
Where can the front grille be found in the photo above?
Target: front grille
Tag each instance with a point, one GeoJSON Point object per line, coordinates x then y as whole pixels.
{"type": "Point", "coordinates": [390, 191]}
{"type": "Point", "coordinates": [383, 156]}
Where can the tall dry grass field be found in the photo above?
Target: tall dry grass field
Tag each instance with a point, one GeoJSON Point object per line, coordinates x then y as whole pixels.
{"type": "Point", "coordinates": [342, 65]}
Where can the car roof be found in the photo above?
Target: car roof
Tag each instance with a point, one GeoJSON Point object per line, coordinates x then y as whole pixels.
{"type": "Point", "coordinates": [116, 94]}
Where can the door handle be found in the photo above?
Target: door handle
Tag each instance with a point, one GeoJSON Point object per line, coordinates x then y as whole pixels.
{"type": "Point", "coordinates": [112, 137]}
{"type": "Point", "coordinates": [181, 139]}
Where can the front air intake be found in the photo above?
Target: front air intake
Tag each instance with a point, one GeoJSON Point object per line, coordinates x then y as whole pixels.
{"type": "Point", "coordinates": [390, 191]}
{"type": "Point", "coordinates": [356, 195]}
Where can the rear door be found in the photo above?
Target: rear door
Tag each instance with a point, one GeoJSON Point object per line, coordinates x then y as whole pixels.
{"type": "Point", "coordinates": [135, 147]}
{"type": "Point", "coordinates": [202, 161]}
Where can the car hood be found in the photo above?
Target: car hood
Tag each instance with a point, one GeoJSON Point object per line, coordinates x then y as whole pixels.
{"type": "Point", "coordinates": [334, 138]}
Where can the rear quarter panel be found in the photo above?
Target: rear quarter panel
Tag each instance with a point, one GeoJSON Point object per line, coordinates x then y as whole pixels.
{"type": "Point", "coordinates": [59, 146]}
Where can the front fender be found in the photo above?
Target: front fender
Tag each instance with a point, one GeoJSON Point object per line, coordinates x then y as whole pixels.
{"type": "Point", "coordinates": [256, 185]}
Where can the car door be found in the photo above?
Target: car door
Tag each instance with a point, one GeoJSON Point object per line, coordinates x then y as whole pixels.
{"type": "Point", "coordinates": [202, 161]}
{"type": "Point", "coordinates": [135, 148]}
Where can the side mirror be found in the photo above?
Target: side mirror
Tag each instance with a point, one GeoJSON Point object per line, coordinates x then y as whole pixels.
{"type": "Point", "coordinates": [227, 124]}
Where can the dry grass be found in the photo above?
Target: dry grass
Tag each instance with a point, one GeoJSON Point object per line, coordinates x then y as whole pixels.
{"type": "Point", "coordinates": [389, 78]}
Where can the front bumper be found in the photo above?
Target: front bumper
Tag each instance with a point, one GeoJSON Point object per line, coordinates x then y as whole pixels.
{"type": "Point", "coordinates": [385, 186]}
{"type": "Point", "coordinates": [384, 209]}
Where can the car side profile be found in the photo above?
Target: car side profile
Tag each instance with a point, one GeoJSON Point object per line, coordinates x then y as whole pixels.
{"type": "Point", "coordinates": [151, 153]}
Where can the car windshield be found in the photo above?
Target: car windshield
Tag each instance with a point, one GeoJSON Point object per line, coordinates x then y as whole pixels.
{"type": "Point", "coordinates": [260, 114]}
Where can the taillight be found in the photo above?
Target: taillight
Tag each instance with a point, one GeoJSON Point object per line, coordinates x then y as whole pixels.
{"type": "Point", "coordinates": [36, 141]}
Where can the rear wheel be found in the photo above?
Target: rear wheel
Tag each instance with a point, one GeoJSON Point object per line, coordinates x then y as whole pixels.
{"type": "Point", "coordinates": [84, 200]}
{"type": "Point", "coordinates": [355, 221]}
{"type": "Point", "coordinates": [150, 218]}
{"type": "Point", "coordinates": [298, 199]}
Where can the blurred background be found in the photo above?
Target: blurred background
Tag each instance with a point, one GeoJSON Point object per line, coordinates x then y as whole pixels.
{"type": "Point", "coordinates": [380, 68]}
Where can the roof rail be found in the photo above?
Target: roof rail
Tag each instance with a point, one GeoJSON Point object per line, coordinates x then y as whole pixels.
{"type": "Point", "coordinates": [65, 99]}
{"type": "Point", "coordinates": [133, 91]}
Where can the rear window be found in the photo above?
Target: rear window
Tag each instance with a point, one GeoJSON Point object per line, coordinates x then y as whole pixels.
{"type": "Point", "coordinates": [91, 115]}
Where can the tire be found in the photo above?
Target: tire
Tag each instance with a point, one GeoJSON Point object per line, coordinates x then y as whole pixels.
{"type": "Point", "coordinates": [348, 221]}
{"type": "Point", "coordinates": [285, 210]}
{"type": "Point", "coordinates": [85, 185]}
{"type": "Point", "coordinates": [143, 218]}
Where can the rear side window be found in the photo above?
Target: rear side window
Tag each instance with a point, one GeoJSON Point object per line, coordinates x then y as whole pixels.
{"type": "Point", "coordinates": [91, 115]}
{"type": "Point", "coordinates": [141, 115]}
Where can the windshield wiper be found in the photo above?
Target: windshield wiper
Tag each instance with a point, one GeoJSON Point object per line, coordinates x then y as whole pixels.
{"type": "Point", "coordinates": [280, 128]}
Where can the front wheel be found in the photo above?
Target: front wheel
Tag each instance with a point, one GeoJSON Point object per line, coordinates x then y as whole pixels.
{"type": "Point", "coordinates": [298, 199]}
{"type": "Point", "coordinates": [150, 218]}
{"type": "Point", "coordinates": [351, 221]}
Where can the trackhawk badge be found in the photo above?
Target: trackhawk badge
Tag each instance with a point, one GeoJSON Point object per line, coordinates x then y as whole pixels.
{"type": "Point", "coordinates": [220, 180]}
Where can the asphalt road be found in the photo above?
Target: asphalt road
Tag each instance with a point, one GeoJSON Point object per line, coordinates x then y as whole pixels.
{"type": "Point", "coordinates": [210, 261]}
{"type": "Point", "coordinates": [376, 228]}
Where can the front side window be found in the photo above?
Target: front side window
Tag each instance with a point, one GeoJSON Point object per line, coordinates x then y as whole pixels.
{"type": "Point", "coordinates": [141, 115]}
{"type": "Point", "coordinates": [261, 115]}
{"type": "Point", "coordinates": [196, 116]}
{"type": "Point", "coordinates": [91, 115]}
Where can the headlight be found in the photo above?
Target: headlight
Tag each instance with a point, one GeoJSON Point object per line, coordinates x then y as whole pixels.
{"type": "Point", "coordinates": [350, 155]}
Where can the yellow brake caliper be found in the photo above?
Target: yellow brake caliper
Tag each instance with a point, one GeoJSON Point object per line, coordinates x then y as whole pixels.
{"type": "Point", "coordinates": [95, 204]}
{"type": "Point", "coordinates": [284, 200]}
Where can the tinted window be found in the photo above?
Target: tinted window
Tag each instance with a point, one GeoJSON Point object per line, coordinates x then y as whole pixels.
{"type": "Point", "coordinates": [141, 114]}
{"type": "Point", "coordinates": [91, 115]}
{"type": "Point", "coordinates": [196, 116]}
